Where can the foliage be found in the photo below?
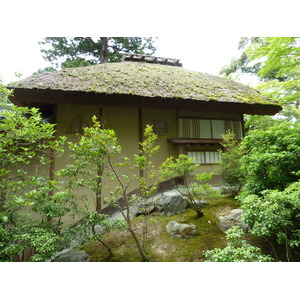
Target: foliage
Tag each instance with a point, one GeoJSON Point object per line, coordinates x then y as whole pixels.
{"type": "Point", "coordinates": [26, 140]}
{"type": "Point", "coordinates": [4, 93]}
{"type": "Point", "coordinates": [274, 60]}
{"type": "Point", "coordinates": [259, 122]}
{"type": "Point", "coordinates": [280, 70]}
{"type": "Point", "coordinates": [47, 69]}
{"type": "Point", "coordinates": [230, 164]}
{"type": "Point", "coordinates": [272, 158]}
{"type": "Point", "coordinates": [237, 250]}
{"type": "Point", "coordinates": [88, 159]}
{"type": "Point", "coordinates": [26, 235]}
{"type": "Point", "coordinates": [275, 213]}
{"type": "Point", "coordinates": [182, 167]}
{"type": "Point", "coordinates": [142, 164]}
{"type": "Point", "coordinates": [147, 173]}
{"type": "Point", "coordinates": [97, 157]}
{"type": "Point", "coordinates": [243, 63]}
{"type": "Point", "coordinates": [33, 203]}
{"type": "Point", "coordinates": [93, 226]}
{"type": "Point", "coordinates": [84, 51]}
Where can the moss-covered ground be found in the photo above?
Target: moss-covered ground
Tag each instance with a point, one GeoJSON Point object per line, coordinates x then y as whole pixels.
{"type": "Point", "coordinates": [160, 246]}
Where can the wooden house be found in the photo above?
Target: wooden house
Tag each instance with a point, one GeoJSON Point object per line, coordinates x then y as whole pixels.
{"type": "Point", "coordinates": [189, 110]}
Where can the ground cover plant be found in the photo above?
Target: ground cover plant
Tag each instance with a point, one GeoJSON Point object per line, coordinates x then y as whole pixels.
{"type": "Point", "coordinates": [164, 248]}
{"type": "Point", "coordinates": [237, 250]}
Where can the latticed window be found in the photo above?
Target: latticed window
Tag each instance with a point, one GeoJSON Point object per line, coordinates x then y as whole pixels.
{"type": "Point", "coordinates": [208, 129]}
{"type": "Point", "coordinates": [76, 126]}
{"type": "Point", "coordinates": [160, 127]}
{"type": "Point", "coordinates": [205, 157]}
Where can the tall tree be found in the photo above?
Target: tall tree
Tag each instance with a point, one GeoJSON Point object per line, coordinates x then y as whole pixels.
{"type": "Point", "coordinates": [275, 62]}
{"type": "Point", "coordinates": [280, 70]}
{"type": "Point", "coordinates": [243, 63]}
{"type": "Point", "coordinates": [67, 52]}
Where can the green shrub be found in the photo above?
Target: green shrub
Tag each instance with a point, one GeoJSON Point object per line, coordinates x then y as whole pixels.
{"type": "Point", "coordinates": [275, 213]}
{"type": "Point", "coordinates": [237, 250]}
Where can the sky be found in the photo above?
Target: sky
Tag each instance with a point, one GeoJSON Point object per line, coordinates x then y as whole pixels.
{"type": "Point", "coordinates": [206, 54]}
{"type": "Point", "coordinates": [204, 35]}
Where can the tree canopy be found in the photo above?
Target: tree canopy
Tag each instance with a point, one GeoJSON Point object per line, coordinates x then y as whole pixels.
{"type": "Point", "coordinates": [68, 52]}
{"type": "Point", "coordinates": [275, 62]}
{"type": "Point", "coordinates": [272, 158]}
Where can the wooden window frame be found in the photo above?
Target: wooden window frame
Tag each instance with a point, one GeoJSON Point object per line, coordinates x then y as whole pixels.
{"type": "Point", "coordinates": [241, 126]}
{"type": "Point", "coordinates": [205, 154]}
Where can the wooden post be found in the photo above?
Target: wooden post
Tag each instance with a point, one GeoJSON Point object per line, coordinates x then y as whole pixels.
{"type": "Point", "coordinates": [52, 155]}
{"type": "Point", "coordinates": [100, 171]}
{"type": "Point", "coordinates": [140, 129]}
{"type": "Point", "coordinates": [243, 126]}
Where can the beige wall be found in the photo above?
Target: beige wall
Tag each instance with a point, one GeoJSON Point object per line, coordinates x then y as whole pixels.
{"type": "Point", "coordinates": [166, 149]}
{"type": "Point", "coordinates": [125, 122]}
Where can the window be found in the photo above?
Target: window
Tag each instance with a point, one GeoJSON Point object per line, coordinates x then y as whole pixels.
{"type": "Point", "coordinates": [160, 127]}
{"type": "Point", "coordinates": [76, 126]}
{"type": "Point", "coordinates": [208, 129]}
{"type": "Point", "coordinates": [205, 157]}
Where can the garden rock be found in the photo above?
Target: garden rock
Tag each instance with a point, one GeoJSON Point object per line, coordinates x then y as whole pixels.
{"type": "Point", "coordinates": [172, 203]}
{"type": "Point", "coordinates": [71, 255]}
{"type": "Point", "coordinates": [233, 219]}
{"type": "Point", "coordinates": [182, 231]}
{"type": "Point", "coordinates": [201, 203]}
{"type": "Point", "coordinates": [164, 204]}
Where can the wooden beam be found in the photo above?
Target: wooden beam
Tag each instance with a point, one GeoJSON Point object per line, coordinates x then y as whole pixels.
{"type": "Point", "coordinates": [195, 141]}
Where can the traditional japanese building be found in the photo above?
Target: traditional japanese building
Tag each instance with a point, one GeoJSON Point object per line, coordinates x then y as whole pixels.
{"type": "Point", "coordinates": [189, 110]}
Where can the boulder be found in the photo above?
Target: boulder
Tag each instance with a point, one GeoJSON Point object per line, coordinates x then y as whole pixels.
{"type": "Point", "coordinates": [183, 231]}
{"type": "Point", "coordinates": [71, 255]}
{"type": "Point", "coordinates": [200, 203]}
{"type": "Point", "coordinates": [171, 203]}
{"type": "Point", "coordinates": [164, 204]}
{"type": "Point", "coordinates": [233, 219]}
{"type": "Point", "coordinates": [145, 206]}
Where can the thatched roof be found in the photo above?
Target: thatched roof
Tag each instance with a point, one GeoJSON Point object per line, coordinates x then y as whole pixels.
{"type": "Point", "coordinates": [144, 80]}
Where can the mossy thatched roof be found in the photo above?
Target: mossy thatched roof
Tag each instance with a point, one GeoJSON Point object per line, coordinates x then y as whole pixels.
{"type": "Point", "coordinates": [146, 80]}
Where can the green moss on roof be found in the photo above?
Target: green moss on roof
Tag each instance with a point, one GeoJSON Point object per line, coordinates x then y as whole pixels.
{"type": "Point", "coordinates": [147, 80]}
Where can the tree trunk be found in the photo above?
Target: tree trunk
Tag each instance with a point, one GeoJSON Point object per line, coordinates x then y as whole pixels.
{"type": "Point", "coordinates": [99, 191]}
{"type": "Point", "coordinates": [104, 50]}
{"type": "Point", "coordinates": [139, 246]}
{"type": "Point", "coordinates": [102, 243]}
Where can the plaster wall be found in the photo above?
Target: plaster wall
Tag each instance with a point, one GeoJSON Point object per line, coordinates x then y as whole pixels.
{"type": "Point", "coordinates": [166, 149]}
{"type": "Point", "coordinates": [126, 123]}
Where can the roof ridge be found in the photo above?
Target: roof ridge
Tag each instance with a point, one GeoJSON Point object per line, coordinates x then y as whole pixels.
{"type": "Point", "coordinates": [151, 59]}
